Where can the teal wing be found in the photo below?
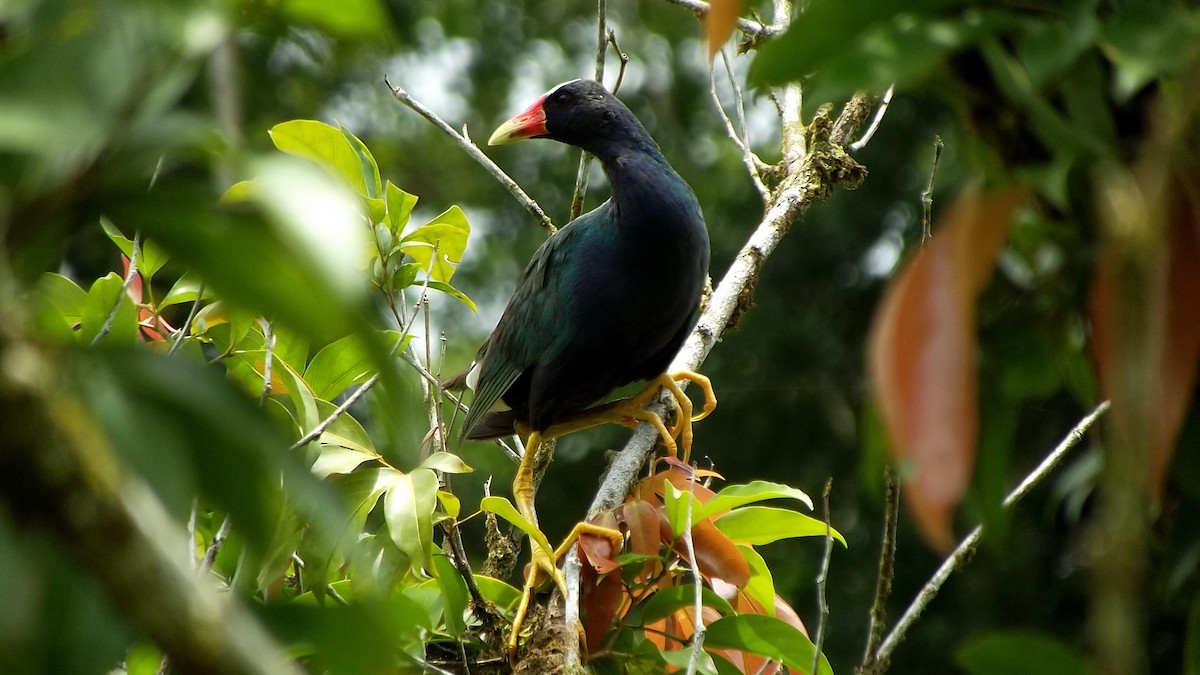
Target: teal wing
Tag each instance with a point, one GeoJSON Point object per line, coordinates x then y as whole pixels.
{"type": "Point", "coordinates": [530, 330]}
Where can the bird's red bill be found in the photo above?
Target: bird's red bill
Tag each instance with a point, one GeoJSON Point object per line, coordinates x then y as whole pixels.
{"type": "Point", "coordinates": [528, 124]}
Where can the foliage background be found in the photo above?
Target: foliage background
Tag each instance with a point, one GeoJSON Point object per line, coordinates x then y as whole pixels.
{"type": "Point", "coordinates": [96, 101]}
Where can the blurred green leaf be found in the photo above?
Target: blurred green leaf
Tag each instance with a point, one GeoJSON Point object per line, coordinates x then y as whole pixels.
{"type": "Point", "coordinates": [831, 29]}
{"type": "Point", "coordinates": [682, 659]}
{"type": "Point", "coordinates": [1019, 652]}
{"type": "Point", "coordinates": [150, 257]}
{"type": "Point", "coordinates": [339, 365]}
{"type": "Point", "coordinates": [186, 289]}
{"type": "Point", "coordinates": [764, 524]}
{"type": "Point", "coordinates": [1145, 40]}
{"type": "Point", "coordinates": [105, 295]}
{"type": "Point", "coordinates": [64, 295]}
{"type": "Point", "coordinates": [350, 18]}
{"type": "Point", "coordinates": [765, 636]}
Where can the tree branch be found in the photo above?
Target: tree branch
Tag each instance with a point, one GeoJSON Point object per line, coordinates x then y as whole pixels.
{"type": "Point", "coordinates": [810, 180]}
{"type": "Point", "coordinates": [475, 153]}
{"type": "Point", "coordinates": [962, 554]}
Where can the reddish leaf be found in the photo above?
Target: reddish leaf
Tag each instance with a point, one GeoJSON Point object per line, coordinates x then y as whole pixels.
{"type": "Point", "coordinates": [922, 357]}
{"type": "Point", "coordinates": [722, 19]}
{"type": "Point", "coordinates": [716, 555]}
{"type": "Point", "coordinates": [643, 521]}
{"type": "Point", "coordinates": [596, 551]}
{"type": "Point", "coordinates": [600, 602]}
{"type": "Point", "coordinates": [1146, 330]}
{"type": "Point", "coordinates": [683, 481]}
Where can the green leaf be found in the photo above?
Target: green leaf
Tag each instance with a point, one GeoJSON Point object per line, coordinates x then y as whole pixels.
{"type": "Point", "coordinates": [678, 505]}
{"type": "Point", "coordinates": [64, 295]}
{"type": "Point", "coordinates": [447, 234]}
{"type": "Point", "coordinates": [454, 293]}
{"type": "Point", "coordinates": [324, 145]}
{"type": "Point", "coordinates": [186, 289]}
{"type": "Point", "coordinates": [1145, 40]}
{"type": "Point", "coordinates": [504, 508]}
{"type": "Point", "coordinates": [447, 462]}
{"type": "Point", "coordinates": [502, 595]}
{"type": "Point", "coordinates": [150, 257]}
{"type": "Point", "coordinates": [733, 496]}
{"type": "Point", "coordinates": [764, 524]}
{"type": "Point", "coordinates": [348, 18]}
{"type": "Point", "coordinates": [337, 459]}
{"type": "Point", "coordinates": [1019, 652]}
{"type": "Point", "coordinates": [765, 636]}
{"type": "Point", "coordinates": [339, 366]}
{"type": "Point", "coordinates": [399, 207]}
{"type": "Point", "coordinates": [761, 586]}
{"type": "Point", "coordinates": [367, 165]}
{"type": "Point", "coordinates": [450, 503]}
{"type": "Point", "coordinates": [408, 508]}
{"type": "Point", "coordinates": [454, 595]}
{"type": "Point", "coordinates": [664, 602]}
{"type": "Point", "coordinates": [106, 294]}
{"type": "Point", "coordinates": [830, 28]}
{"type": "Point", "coordinates": [682, 659]}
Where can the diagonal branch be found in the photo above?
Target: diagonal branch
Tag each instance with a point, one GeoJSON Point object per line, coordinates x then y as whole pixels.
{"type": "Point", "coordinates": [476, 154]}
{"type": "Point", "coordinates": [811, 179]}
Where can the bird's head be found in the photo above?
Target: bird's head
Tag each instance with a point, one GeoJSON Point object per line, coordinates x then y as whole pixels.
{"type": "Point", "coordinates": [578, 112]}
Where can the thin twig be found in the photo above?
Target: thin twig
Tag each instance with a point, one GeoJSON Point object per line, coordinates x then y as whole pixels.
{"type": "Point", "coordinates": [187, 323]}
{"type": "Point", "coordinates": [927, 193]}
{"type": "Point", "coordinates": [585, 157]}
{"type": "Point", "coordinates": [887, 565]}
{"type": "Point", "coordinates": [622, 58]}
{"type": "Point", "coordinates": [473, 150]}
{"type": "Point", "coordinates": [740, 139]}
{"type": "Point", "coordinates": [124, 294]}
{"type": "Point", "coordinates": [697, 646]}
{"type": "Point", "coordinates": [875, 121]}
{"type": "Point", "coordinates": [959, 557]}
{"type": "Point", "coordinates": [268, 361]}
{"type": "Point", "coordinates": [214, 547]}
{"type": "Point", "coordinates": [321, 428]}
{"type": "Point", "coordinates": [822, 581]}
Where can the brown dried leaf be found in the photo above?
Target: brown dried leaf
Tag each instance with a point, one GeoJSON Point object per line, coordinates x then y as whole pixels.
{"type": "Point", "coordinates": [716, 555]}
{"type": "Point", "coordinates": [922, 353]}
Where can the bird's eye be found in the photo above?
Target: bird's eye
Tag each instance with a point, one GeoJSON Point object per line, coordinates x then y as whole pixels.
{"type": "Point", "coordinates": [561, 99]}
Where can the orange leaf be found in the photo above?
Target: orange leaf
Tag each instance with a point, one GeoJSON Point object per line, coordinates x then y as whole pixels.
{"type": "Point", "coordinates": [598, 551]}
{"type": "Point", "coordinates": [716, 555]}
{"type": "Point", "coordinates": [722, 19]}
{"type": "Point", "coordinates": [600, 602]}
{"type": "Point", "coordinates": [1150, 401]}
{"type": "Point", "coordinates": [921, 357]}
{"type": "Point", "coordinates": [642, 520]}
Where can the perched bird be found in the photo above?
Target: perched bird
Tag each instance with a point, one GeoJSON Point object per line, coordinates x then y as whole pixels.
{"type": "Point", "coordinates": [606, 301]}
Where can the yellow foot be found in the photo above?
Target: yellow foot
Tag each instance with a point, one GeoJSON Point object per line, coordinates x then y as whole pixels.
{"type": "Point", "coordinates": [543, 565]}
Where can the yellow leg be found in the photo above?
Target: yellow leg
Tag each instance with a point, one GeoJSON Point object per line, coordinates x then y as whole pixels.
{"type": "Point", "coordinates": [543, 562]}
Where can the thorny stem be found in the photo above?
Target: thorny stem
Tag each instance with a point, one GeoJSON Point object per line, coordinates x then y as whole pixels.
{"type": "Point", "coordinates": [475, 153]}
{"type": "Point", "coordinates": [962, 554]}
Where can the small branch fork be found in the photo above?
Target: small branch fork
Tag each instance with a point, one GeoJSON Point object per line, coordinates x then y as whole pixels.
{"type": "Point", "coordinates": [878, 661]}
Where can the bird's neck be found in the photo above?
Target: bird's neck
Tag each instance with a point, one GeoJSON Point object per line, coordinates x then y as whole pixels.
{"type": "Point", "coordinates": [643, 183]}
